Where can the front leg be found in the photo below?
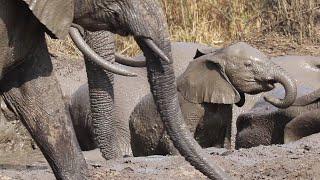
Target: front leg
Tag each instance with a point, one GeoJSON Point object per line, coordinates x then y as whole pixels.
{"type": "Point", "coordinates": [33, 93]}
{"type": "Point", "coordinates": [304, 125]}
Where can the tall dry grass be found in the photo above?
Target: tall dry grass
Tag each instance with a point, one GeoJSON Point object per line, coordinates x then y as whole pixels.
{"type": "Point", "coordinates": [297, 18]}
{"type": "Point", "coordinates": [217, 22]}
{"type": "Point", "coordinates": [210, 22]}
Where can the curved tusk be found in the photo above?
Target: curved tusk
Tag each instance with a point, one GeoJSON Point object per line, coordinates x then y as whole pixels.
{"type": "Point", "coordinates": [129, 61]}
{"type": "Point", "coordinates": [86, 50]}
{"type": "Point", "coordinates": [150, 43]}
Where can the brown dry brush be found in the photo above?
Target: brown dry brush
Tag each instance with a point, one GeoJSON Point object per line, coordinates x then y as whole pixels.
{"type": "Point", "coordinates": [297, 18]}
{"type": "Point", "coordinates": [216, 22]}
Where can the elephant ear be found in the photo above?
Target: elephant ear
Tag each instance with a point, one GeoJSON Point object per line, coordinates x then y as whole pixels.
{"type": "Point", "coordinates": [204, 51]}
{"type": "Point", "coordinates": [205, 81]}
{"type": "Point", "coordinates": [55, 15]}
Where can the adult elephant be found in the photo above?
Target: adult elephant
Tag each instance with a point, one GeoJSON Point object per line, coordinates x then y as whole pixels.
{"type": "Point", "coordinates": [266, 125]}
{"type": "Point", "coordinates": [207, 91]}
{"type": "Point", "coordinates": [30, 90]}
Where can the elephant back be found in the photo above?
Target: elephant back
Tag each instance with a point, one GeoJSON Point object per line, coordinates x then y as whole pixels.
{"type": "Point", "coordinates": [305, 69]}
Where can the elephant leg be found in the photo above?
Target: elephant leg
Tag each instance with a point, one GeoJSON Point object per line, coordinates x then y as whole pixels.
{"type": "Point", "coordinates": [227, 138]}
{"type": "Point", "coordinates": [302, 126]}
{"type": "Point", "coordinates": [33, 93]}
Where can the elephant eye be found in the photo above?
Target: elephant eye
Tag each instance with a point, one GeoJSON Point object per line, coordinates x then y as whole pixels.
{"type": "Point", "coordinates": [248, 63]}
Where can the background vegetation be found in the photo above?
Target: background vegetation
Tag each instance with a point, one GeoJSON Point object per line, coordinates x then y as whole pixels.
{"type": "Point", "coordinates": [219, 22]}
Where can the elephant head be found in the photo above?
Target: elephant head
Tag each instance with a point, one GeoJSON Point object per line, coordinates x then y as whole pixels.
{"type": "Point", "coordinates": [242, 68]}
{"type": "Point", "coordinates": [144, 20]}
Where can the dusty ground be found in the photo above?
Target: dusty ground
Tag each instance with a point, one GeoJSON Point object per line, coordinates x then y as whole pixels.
{"type": "Point", "coordinates": [274, 44]}
{"type": "Point", "coordinates": [299, 160]}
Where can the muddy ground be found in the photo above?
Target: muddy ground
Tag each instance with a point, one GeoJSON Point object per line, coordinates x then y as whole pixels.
{"type": "Point", "coordinates": [299, 160]}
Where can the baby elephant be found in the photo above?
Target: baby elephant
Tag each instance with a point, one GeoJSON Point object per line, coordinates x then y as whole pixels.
{"type": "Point", "coordinates": [266, 125]}
{"type": "Point", "coordinates": [211, 84]}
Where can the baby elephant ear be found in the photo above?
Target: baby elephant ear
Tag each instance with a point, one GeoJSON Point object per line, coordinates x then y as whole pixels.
{"type": "Point", "coordinates": [56, 15]}
{"type": "Point", "coordinates": [204, 81]}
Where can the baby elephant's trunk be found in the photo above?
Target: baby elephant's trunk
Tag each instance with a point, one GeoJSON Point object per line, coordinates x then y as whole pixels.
{"type": "Point", "coordinates": [280, 76]}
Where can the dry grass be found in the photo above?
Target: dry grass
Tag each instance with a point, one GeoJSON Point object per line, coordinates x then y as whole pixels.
{"type": "Point", "coordinates": [60, 47]}
{"type": "Point", "coordinates": [217, 22]}
{"type": "Point", "coordinates": [212, 22]}
{"type": "Point", "coordinates": [294, 18]}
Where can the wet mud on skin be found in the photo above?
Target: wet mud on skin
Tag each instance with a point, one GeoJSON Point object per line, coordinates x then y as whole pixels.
{"type": "Point", "coordinates": [298, 160]}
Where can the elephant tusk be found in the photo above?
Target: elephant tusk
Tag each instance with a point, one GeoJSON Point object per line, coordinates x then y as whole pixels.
{"type": "Point", "coordinates": [150, 44]}
{"type": "Point", "coordinates": [93, 56]}
{"type": "Point", "coordinates": [129, 61]}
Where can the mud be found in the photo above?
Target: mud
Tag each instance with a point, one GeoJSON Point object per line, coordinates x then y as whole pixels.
{"type": "Point", "coordinates": [298, 160]}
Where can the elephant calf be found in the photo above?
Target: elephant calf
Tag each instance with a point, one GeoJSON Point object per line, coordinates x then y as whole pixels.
{"type": "Point", "coordinates": [266, 125]}
{"type": "Point", "coordinates": [207, 90]}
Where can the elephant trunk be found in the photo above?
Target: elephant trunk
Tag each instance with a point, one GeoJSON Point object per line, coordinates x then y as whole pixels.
{"type": "Point", "coordinates": [163, 87]}
{"type": "Point", "coordinates": [164, 90]}
{"type": "Point", "coordinates": [280, 76]}
{"type": "Point", "coordinates": [101, 94]}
